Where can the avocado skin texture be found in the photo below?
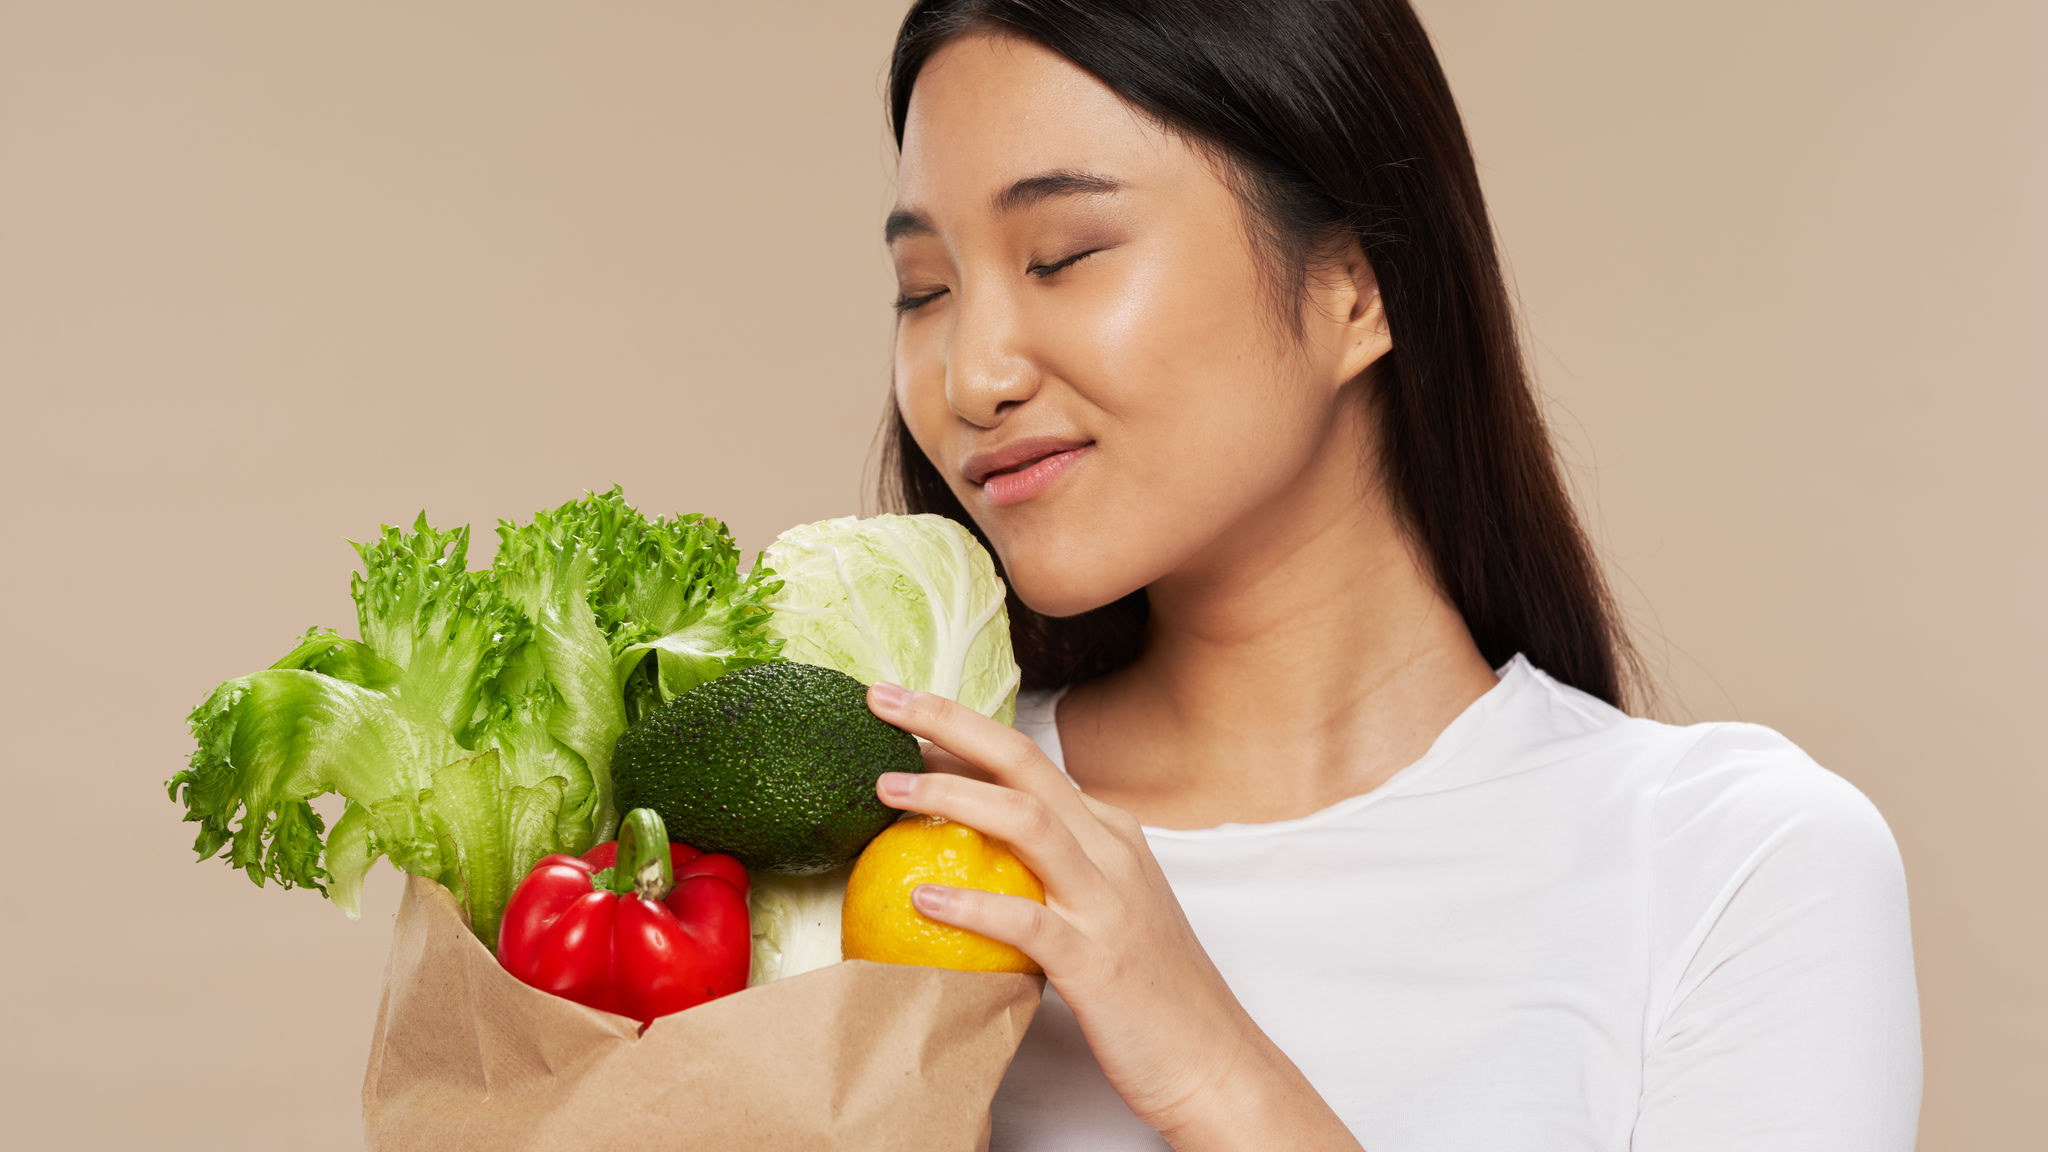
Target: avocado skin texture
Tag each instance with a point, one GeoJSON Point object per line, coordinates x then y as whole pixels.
{"type": "Point", "coordinates": [773, 764]}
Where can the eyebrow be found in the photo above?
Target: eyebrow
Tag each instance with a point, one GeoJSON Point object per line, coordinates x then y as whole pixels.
{"type": "Point", "coordinates": [1023, 194]}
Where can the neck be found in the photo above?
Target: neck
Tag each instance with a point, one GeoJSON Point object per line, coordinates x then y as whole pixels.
{"type": "Point", "coordinates": [1307, 657]}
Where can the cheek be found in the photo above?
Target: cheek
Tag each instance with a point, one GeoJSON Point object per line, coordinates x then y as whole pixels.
{"type": "Point", "coordinates": [1204, 390]}
{"type": "Point", "coordinates": [1200, 419]}
{"type": "Point", "coordinates": [920, 391]}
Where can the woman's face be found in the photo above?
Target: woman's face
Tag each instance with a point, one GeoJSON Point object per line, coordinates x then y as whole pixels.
{"type": "Point", "coordinates": [1085, 351]}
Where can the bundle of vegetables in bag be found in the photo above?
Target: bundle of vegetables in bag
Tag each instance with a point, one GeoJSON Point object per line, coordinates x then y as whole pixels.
{"type": "Point", "coordinates": [473, 733]}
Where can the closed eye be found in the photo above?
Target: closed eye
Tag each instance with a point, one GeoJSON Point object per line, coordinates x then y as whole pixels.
{"type": "Point", "coordinates": [912, 303]}
{"type": "Point", "coordinates": [1043, 270]}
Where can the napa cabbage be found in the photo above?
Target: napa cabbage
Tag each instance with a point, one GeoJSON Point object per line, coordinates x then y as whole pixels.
{"type": "Point", "coordinates": [911, 600]}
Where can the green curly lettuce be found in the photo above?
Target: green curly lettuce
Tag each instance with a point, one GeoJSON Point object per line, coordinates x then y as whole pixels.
{"type": "Point", "coordinates": [469, 731]}
{"type": "Point", "coordinates": [607, 589]}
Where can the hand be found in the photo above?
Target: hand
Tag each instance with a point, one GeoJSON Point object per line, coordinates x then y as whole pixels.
{"type": "Point", "coordinates": [1166, 1029]}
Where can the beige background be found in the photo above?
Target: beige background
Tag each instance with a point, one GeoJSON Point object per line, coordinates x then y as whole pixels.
{"type": "Point", "coordinates": [271, 273]}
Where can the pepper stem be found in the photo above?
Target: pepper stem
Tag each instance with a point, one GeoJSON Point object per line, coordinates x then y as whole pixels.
{"type": "Point", "coordinates": [644, 855]}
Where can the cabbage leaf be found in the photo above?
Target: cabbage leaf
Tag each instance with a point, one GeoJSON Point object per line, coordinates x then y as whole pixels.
{"type": "Point", "coordinates": [911, 600]}
{"type": "Point", "coordinates": [795, 922]}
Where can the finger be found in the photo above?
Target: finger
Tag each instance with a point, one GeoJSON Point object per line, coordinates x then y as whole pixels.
{"type": "Point", "coordinates": [1032, 830]}
{"type": "Point", "coordinates": [937, 759]}
{"type": "Point", "coordinates": [1114, 819]}
{"type": "Point", "coordinates": [1026, 925]}
{"type": "Point", "coordinates": [1007, 755]}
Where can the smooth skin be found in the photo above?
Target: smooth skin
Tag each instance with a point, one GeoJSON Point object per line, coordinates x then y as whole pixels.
{"type": "Point", "coordinates": [1299, 651]}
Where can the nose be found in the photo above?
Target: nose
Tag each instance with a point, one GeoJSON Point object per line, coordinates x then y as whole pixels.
{"type": "Point", "coordinates": [988, 371]}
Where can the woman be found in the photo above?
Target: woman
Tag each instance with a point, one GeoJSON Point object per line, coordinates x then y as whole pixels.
{"type": "Point", "coordinates": [1345, 839]}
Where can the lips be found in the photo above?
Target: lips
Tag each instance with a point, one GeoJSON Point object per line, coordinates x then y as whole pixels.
{"type": "Point", "coordinates": [1016, 456]}
{"type": "Point", "coordinates": [1022, 469]}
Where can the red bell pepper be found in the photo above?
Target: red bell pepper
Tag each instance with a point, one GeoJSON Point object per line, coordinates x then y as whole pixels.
{"type": "Point", "coordinates": [630, 927]}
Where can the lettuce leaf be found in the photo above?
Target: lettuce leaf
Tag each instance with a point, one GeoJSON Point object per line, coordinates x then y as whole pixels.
{"type": "Point", "coordinates": [606, 588]}
{"type": "Point", "coordinates": [667, 593]}
{"type": "Point", "coordinates": [469, 731]}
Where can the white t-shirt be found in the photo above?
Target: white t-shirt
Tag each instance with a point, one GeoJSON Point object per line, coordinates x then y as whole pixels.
{"type": "Point", "coordinates": [1561, 928]}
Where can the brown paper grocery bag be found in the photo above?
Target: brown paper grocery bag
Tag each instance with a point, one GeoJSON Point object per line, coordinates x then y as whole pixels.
{"type": "Point", "coordinates": [854, 1056]}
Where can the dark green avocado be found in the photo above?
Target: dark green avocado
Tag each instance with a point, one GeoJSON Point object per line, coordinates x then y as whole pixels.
{"type": "Point", "coordinates": [774, 764]}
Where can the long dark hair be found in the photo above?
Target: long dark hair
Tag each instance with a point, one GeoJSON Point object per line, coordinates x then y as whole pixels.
{"type": "Point", "coordinates": [1334, 120]}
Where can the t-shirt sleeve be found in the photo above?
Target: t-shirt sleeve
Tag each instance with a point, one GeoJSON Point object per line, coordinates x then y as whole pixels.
{"type": "Point", "coordinates": [1782, 1013]}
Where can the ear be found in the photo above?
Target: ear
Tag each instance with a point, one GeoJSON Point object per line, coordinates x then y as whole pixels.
{"type": "Point", "coordinates": [1352, 313]}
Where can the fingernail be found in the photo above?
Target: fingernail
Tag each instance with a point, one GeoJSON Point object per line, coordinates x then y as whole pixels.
{"type": "Point", "coordinates": [931, 899]}
{"type": "Point", "coordinates": [889, 695]}
{"type": "Point", "coordinates": [895, 785]}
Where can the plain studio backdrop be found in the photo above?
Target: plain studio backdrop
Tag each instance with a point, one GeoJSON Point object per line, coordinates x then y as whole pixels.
{"type": "Point", "coordinates": [272, 274]}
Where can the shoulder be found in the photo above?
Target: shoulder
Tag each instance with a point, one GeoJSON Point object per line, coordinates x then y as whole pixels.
{"type": "Point", "coordinates": [1724, 814]}
{"type": "Point", "coordinates": [1779, 948]}
{"type": "Point", "coordinates": [1741, 791]}
{"type": "Point", "coordinates": [1739, 780]}
{"type": "Point", "coordinates": [1771, 877]}
{"type": "Point", "coordinates": [1781, 1006]}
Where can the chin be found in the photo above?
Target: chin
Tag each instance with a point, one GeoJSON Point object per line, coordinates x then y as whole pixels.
{"type": "Point", "coordinates": [1064, 578]}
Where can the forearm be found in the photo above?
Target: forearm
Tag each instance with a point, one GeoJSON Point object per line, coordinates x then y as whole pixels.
{"type": "Point", "coordinates": [1258, 1100]}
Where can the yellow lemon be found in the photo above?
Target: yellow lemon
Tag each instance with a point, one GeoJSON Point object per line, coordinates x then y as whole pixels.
{"type": "Point", "coordinates": [878, 921]}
